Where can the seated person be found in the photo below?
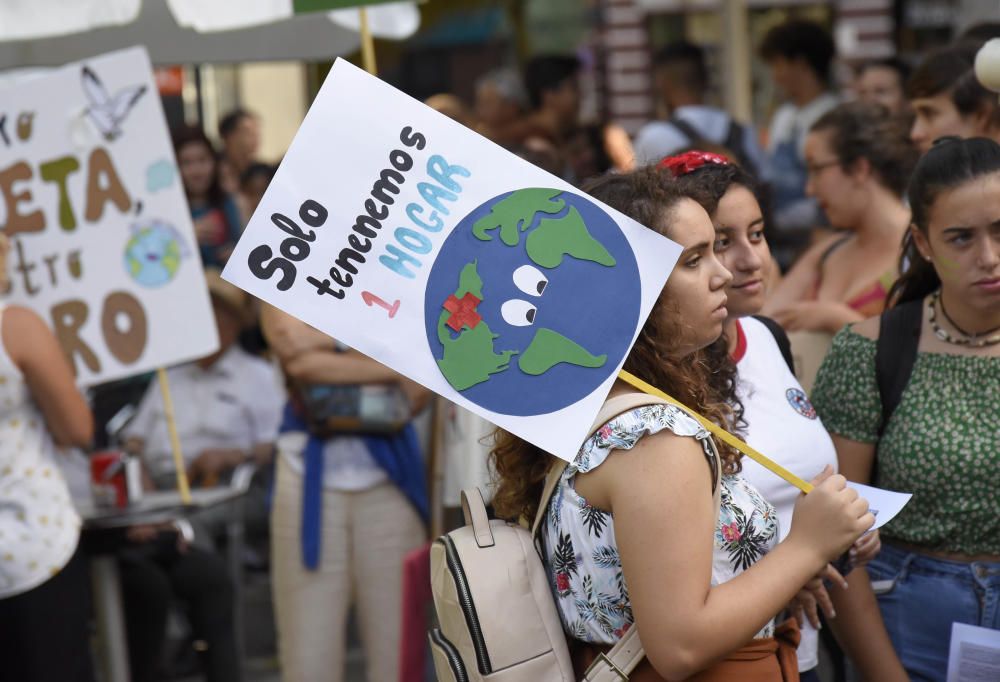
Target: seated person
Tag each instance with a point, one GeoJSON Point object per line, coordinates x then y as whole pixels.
{"type": "Point", "coordinates": [159, 567]}
{"type": "Point", "coordinates": [227, 406]}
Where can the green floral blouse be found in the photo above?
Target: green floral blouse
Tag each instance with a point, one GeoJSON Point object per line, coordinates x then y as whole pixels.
{"type": "Point", "coordinates": [942, 443]}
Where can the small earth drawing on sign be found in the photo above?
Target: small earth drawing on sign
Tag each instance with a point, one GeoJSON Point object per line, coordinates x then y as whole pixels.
{"type": "Point", "coordinates": [533, 301]}
{"type": "Point", "coordinates": [153, 253]}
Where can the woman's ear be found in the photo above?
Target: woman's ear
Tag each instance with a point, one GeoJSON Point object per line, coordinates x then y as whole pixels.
{"type": "Point", "coordinates": [861, 169]}
{"type": "Point", "coordinates": [921, 242]}
{"type": "Point", "coordinates": [985, 119]}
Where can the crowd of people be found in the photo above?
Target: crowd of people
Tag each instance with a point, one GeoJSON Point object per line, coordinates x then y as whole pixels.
{"type": "Point", "coordinates": [865, 224]}
{"type": "Point", "coordinates": [896, 187]}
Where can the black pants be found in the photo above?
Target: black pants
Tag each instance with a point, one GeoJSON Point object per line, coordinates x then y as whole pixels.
{"type": "Point", "coordinates": [44, 635]}
{"type": "Point", "coordinates": [154, 577]}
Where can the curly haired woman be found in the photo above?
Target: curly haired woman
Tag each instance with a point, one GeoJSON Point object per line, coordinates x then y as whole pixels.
{"type": "Point", "coordinates": [632, 535]}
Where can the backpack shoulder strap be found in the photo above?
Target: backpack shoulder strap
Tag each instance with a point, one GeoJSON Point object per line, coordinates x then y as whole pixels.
{"type": "Point", "coordinates": [734, 138]}
{"type": "Point", "coordinates": [736, 141]}
{"type": "Point", "coordinates": [611, 409]}
{"type": "Point", "coordinates": [895, 354]}
{"type": "Point", "coordinates": [689, 131]}
{"type": "Point", "coordinates": [781, 338]}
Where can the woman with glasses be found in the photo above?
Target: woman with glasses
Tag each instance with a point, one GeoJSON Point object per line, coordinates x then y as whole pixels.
{"type": "Point", "coordinates": [859, 159]}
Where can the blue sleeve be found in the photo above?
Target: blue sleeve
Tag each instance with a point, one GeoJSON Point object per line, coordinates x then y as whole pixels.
{"type": "Point", "coordinates": [233, 218]}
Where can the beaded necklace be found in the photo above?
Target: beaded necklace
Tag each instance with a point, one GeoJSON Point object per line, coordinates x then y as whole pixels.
{"type": "Point", "coordinates": [990, 337]}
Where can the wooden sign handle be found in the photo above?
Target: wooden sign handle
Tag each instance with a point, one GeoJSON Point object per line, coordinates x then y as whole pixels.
{"type": "Point", "coordinates": [367, 44]}
{"type": "Point", "coordinates": [721, 433]}
{"type": "Point", "coordinates": [175, 442]}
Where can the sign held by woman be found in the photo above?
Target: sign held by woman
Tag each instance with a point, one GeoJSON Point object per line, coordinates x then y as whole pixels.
{"type": "Point", "coordinates": [421, 244]}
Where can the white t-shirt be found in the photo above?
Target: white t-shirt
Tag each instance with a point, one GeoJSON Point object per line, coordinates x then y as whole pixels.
{"type": "Point", "coordinates": [792, 123]}
{"type": "Point", "coordinates": [348, 466]}
{"type": "Point", "coordinates": [235, 403]}
{"type": "Point", "coordinates": [782, 424]}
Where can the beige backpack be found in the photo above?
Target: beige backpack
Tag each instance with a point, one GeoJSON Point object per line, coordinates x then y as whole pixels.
{"type": "Point", "coordinates": [497, 615]}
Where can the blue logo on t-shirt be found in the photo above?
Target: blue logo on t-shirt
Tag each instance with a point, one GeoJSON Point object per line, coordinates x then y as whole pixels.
{"type": "Point", "coordinates": [800, 403]}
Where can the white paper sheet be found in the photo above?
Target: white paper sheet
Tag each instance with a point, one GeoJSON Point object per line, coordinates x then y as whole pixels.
{"type": "Point", "coordinates": [884, 504]}
{"type": "Point", "coordinates": [974, 655]}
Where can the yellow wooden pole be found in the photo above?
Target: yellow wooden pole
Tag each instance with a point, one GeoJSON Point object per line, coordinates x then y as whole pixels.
{"type": "Point", "coordinates": [721, 433]}
{"type": "Point", "coordinates": [175, 441]}
{"type": "Point", "coordinates": [367, 44]}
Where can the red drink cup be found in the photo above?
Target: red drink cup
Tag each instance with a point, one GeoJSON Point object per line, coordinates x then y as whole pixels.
{"type": "Point", "coordinates": [107, 478]}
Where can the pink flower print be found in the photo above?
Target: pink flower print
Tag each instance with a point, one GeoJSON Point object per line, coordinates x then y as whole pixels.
{"type": "Point", "coordinates": [605, 432]}
{"type": "Point", "coordinates": [562, 582]}
{"type": "Point", "coordinates": [731, 532]}
{"type": "Point", "coordinates": [620, 632]}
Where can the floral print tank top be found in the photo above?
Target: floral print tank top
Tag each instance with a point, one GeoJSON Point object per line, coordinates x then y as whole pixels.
{"type": "Point", "coordinates": [581, 554]}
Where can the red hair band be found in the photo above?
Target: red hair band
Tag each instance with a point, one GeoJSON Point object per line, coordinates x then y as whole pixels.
{"type": "Point", "coordinates": [682, 164]}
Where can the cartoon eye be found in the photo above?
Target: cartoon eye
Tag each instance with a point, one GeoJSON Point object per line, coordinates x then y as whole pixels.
{"type": "Point", "coordinates": [530, 280]}
{"type": "Point", "coordinates": [518, 313]}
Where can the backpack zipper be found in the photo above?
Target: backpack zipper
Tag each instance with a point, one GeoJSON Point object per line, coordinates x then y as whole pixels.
{"type": "Point", "coordinates": [454, 660]}
{"type": "Point", "coordinates": [468, 608]}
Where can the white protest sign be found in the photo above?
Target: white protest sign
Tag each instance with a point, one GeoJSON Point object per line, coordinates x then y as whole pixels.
{"type": "Point", "coordinates": [102, 242]}
{"type": "Point", "coordinates": [441, 255]}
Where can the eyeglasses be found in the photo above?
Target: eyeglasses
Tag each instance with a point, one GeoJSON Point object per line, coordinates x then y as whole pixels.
{"type": "Point", "coordinates": [815, 168]}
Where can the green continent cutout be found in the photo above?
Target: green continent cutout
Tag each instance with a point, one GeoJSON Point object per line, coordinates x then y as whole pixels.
{"type": "Point", "coordinates": [469, 282]}
{"type": "Point", "coordinates": [549, 348]}
{"type": "Point", "coordinates": [469, 359]}
{"type": "Point", "coordinates": [172, 257]}
{"type": "Point", "coordinates": [515, 213]}
{"type": "Point", "coordinates": [567, 236]}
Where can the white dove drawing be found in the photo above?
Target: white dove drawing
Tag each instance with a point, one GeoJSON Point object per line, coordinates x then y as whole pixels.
{"type": "Point", "coordinates": [105, 112]}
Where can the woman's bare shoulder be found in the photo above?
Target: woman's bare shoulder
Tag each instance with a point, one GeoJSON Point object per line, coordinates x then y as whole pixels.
{"type": "Point", "coordinates": [20, 322]}
{"type": "Point", "coordinates": [25, 334]}
{"type": "Point", "coordinates": [658, 459]}
{"type": "Point", "coordinates": [867, 328]}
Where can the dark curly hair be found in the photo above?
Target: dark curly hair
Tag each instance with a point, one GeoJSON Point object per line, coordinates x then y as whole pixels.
{"type": "Point", "coordinates": [708, 184]}
{"type": "Point", "coordinates": [705, 380]}
{"type": "Point", "coordinates": [861, 130]}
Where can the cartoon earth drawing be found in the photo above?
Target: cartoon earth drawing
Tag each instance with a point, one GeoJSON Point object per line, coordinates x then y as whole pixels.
{"type": "Point", "coordinates": [153, 253]}
{"type": "Point", "coordinates": [517, 308]}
